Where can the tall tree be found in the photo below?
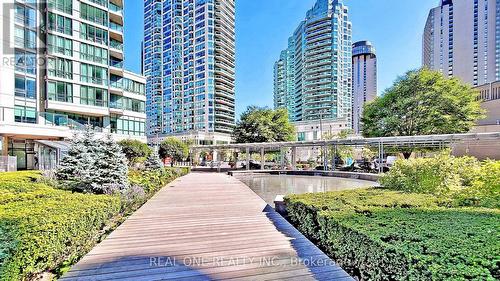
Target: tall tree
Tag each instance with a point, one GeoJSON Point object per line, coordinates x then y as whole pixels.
{"type": "Point", "coordinates": [422, 102]}
{"type": "Point", "coordinates": [262, 124]}
{"type": "Point", "coordinates": [174, 148]}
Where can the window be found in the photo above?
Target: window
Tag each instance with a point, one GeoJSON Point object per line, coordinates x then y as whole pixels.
{"type": "Point", "coordinates": [60, 91]}
{"type": "Point", "coordinates": [126, 125]}
{"type": "Point", "coordinates": [24, 114]}
{"type": "Point", "coordinates": [24, 37]}
{"type": "Point", "coordinates": [301, 136]}
{"type": "Point", "coordinates": [59, 45]}
{"type": "Point", "coordinates": [25, 87]}
{"type": "Point", "coordinates": [93, 96]}
{"type": "Point", "coordinates": [58, 67]}
{"type": "Point", "coordinates": [60, 24]}
{"type": "Point", "coordinates": [93, 53]}
{"type": "Point", "coordinates": [93, 74]}
{"type": "Point", "coordinates": [65, 6]}
{"type": "Point", "coordinates": [25, 62]}
{"type": "Point", "coordinates": [94, 34]}
{"type": "Point", "coordinates": [93, 14]}
{"type": "Point", "coordinates": [25, 15]}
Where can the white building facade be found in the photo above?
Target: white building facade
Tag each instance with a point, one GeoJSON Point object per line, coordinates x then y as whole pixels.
{"type": "Point", "coordinates": [364, 80]}
{"type": "Point", "coordinates": [462, 39]}
{"type": "Point", "coordinates": [62, 68]}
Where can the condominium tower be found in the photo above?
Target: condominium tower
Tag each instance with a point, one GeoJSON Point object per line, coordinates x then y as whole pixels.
{"type": "Point", "coordinates": [62, 68]}
{"type": "Point", "coordinates": [364, 79]}
{"type": "Point", "coordinates": [189, 62]}
{"type": "Point", "coordinates": [462, 39]}
{"type": "Point", "coordinates": [312, 77]}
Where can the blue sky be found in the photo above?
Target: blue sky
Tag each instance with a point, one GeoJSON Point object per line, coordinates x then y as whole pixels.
{"type": "Point", "coordinates": [263, 27]}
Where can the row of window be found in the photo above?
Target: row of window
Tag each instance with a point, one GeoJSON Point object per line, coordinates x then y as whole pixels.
{"type": "Point", "coordinates": [119, 124]}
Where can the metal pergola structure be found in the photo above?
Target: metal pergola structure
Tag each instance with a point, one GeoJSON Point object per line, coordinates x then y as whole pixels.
{"type": "Point", "coordinates": [422, 141]}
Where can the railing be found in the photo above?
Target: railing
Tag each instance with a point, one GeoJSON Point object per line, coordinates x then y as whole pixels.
{"type": "Point", "coordinates": [94, 102]}
{"type": "Point", "coordinates": [94, 80]}
{"type": "Point", "coordinates": [54, 119]}
{"type": "Point", "coordinates": [8, 163]}
{"type": "Point", "coordinates": [117, 64]}
{"type": "Point", "coordinates": [116, 45]}
{"type": "Point", "coordinates": [115, 8]}
{"type": "Point", "coordinates": [116, 27]}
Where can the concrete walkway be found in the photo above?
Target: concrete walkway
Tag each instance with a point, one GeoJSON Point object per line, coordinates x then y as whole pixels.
{"type": "Point", "coordinates": [206, 226]}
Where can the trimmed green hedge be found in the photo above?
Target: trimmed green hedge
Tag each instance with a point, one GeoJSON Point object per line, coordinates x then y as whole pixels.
{"type": "Point", "coordinates": [42, 227]}
{"type": "Point", "coordinates": [389, 235]}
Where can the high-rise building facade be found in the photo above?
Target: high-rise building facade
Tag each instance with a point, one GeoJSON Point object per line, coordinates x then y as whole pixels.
{"type": "Point", "coordinates": [63, 68]}
{"type": "Point", "coordinates": [189, 62]}
{"type": "Point", "coordinates": [312, 78]}
{"type": "Point", "coordinates": [462, 39]}
{"type": "Point", "coordinates": [364, 79]}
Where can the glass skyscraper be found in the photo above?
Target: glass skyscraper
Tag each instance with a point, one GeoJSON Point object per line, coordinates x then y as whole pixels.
{"type": "Point", "coordinates": [189, 62]}
{"type": "Point", "coordinates": [312, 77]}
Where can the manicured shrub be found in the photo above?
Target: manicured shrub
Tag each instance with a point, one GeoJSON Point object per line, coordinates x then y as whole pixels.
{"type": "Point", "coordinates": [438, 175]}
{"type": "Point", "coordinates": [389, 235]}
{"type": "Point", "coordinates": [40, 226]}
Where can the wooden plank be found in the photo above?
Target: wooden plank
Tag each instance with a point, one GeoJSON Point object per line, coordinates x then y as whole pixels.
{"type": "Point", "coordinates": [206, 227]}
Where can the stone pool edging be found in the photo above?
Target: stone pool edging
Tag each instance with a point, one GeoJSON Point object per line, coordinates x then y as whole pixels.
{"type": "Point", "coordinates": [339, 174]}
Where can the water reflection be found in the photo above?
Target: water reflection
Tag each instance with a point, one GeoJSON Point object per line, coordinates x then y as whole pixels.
{"type": "Point", "coordinates": [268, 186]}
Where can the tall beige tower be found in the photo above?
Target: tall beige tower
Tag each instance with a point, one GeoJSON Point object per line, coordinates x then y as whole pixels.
{"type": "Point", "coordinates": [364, 79]}
{"type": "Point", "coordinates": [462, 39]}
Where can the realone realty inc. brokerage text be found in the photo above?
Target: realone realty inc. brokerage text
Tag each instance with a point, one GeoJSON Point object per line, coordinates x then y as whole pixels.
{"type": "Point", "coordinates": [166, 261]}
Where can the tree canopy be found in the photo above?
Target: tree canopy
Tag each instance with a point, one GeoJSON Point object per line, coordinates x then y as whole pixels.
{"type": "Point", "coordinates": [422, 102]}
{"type": "Point", "coordinates": [174, 148]}
{"type": "Point", "coordinates": [134, 149]}
{"type": "Point", "coordinates": [262, 124]}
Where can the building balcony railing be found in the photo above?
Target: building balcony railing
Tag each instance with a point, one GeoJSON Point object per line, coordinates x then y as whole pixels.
{"type": "Point", "coordinates": [115, 63]}
{"type": "Point", "coordinates": [115, 8]}
{"type": "Point", "coordinates": [116, 27]}
{"type": "Point", "coordinates": [116, 45]}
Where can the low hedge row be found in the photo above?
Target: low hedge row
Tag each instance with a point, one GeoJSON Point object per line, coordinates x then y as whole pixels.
{"type": "Point", "coordinates": [389, 235]}
{"type": "Point", "coordinates": [42, 227]}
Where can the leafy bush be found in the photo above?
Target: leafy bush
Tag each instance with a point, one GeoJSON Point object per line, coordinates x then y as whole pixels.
{"type": "Point", "coordinates": [438, 175]}
{"type": "Point", "coordinates": [40, 226]}
{"type": "Point", "coordinates": [485, 190]}
{"type": "Point", "coordinates": [389, 235]}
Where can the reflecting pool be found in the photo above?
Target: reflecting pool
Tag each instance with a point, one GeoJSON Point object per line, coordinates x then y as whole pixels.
{"type": "Point", "coordinates": [269, 186]}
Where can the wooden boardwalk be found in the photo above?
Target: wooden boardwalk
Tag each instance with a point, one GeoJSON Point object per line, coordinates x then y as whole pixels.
{"type": "Point", "coordinates": [206, 226]}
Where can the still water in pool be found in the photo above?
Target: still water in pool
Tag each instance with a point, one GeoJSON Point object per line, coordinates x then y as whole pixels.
{"type": "Point", "coordinates": [269, 186]}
